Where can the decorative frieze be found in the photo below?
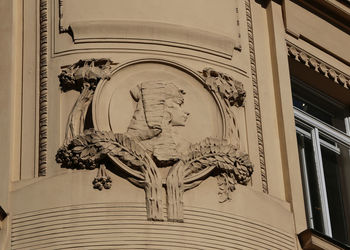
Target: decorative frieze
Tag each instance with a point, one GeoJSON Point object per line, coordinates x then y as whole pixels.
{"type": "Point", "coordinates": [318, 65]}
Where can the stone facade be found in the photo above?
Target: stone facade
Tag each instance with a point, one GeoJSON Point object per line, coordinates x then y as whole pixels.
{"type": "Point", "coordinates": [161, 124]}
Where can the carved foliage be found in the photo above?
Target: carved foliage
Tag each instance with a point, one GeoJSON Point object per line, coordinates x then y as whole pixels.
{"type": "Point", "coordinates": [232, 165]}
{"type": "Point", "coordinates": [90, 149]}
{"type": "Point", "coordinates": [228, 88]}
{"type": "Point", "coordinates": [85, 71]}
{"type": "Point", "coordinates": [230, 93]}
{"type": "Point", "coordinates": [86, 151]}
{"type": "Point", "coordinates": [82, 76]}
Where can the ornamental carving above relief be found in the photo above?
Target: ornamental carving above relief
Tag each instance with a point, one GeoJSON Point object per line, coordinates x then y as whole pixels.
{"type": "Point", "coordinates": [151, 150]}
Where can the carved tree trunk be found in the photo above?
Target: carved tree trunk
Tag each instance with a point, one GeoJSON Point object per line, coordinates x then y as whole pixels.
{"type": "Point", "coordinates": [153, 190]}
{"type": "Point", "coordinates": [76, 118]}
{"type": "Point", "coordinates": [175, 190]}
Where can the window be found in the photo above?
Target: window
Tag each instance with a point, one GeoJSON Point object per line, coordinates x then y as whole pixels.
{"type": "Point", "coordinates": [323, 134]}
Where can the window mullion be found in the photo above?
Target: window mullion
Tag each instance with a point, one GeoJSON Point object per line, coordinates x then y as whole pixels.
{"type": "Point", "coordinates": [347, 125]}
{"type": "Point", "coordinates": [321, 181]}
{"type": "Point", "coordinates": [306, 182]}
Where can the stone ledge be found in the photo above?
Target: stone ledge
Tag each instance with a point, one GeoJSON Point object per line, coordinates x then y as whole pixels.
{"type": "Point", "coordinates": [146, 32]}
{"type": "Point", "coordinates": [311, 239]}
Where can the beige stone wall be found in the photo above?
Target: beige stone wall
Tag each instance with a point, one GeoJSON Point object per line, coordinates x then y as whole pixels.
{"type": "Point", "coordinates": [244, 41]}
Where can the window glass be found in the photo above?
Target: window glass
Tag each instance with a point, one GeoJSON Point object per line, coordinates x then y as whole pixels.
{"type": "Point", "coordinates": [332, 173]}
{"type": "Point", "coordinates": [305, 148]}
{"type": "Point", "coordinates": [313, 110]}
{"type": "Point", "coordinates": [318, 105]}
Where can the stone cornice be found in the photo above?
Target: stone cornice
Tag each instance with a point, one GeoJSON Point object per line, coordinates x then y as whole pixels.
{"type": "Point", "coordinates": [318, 65]}
{"type": "Point", "coordinates": [336, 12]}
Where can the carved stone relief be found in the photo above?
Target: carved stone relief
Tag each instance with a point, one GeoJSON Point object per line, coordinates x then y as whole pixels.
{"type": "Point", "coordinates": [230, 93]}
{"type": "Point", "coordinates": [82, 76]}
{"type": "Point", "coordinates": [318, 65]}
{"type": "Point", "coordinates": [150, 151]}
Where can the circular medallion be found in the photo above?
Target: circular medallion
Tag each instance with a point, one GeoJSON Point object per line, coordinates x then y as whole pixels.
{"type": "Point", "coordinates": [114, 105]}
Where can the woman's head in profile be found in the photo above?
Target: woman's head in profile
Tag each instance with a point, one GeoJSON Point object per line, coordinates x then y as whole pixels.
{"type": "Point", "coordinates": [158, 109]}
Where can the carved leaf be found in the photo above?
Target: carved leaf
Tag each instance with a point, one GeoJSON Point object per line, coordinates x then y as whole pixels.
{"type": "Point", "coordinates": [231, 91]}
{"type": "Point", "coordinates": [196, 166]}
{"type": "Point", "coordinates": [228, 159]}
{"type": "Point", "coordinates": [125, 156]}
{"type": "Point", "coordinates": [132, 154]}
{"type": "Point", "coordinates": [109, 136]}
{"type": "Point", "coordinates": [84, 150]}
{"type": "Point", "coordinates": [211, 152]}
{"type": "Point", "coordinates": [102, 144]}
{"type": "Point", "coordinates": [233, 166]}
{"type": "Point", "coordinates": [84, 71]}
{"type": "Point", "coordinates": [79, 141]}
{"type": "Point", "coordinates": [136, 163]}
{"type": "Point", "coordinates": [92, 151]}
{"type": "Point", "coordinates": [97, 139]}
{"type": "Point", "coordinates": [219, 158]}
{"type": "Point", "coordinates": [116, 150]}
{"type": "Point", "coordinates": [78, 149]}
{"type": "Point", "coordinates": [85, 153]}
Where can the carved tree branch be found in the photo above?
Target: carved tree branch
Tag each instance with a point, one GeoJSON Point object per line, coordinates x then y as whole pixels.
{"type": "Point", "coordinates": [82, 76]}
{"type": "Point", "coordinates": [151, 181]}
{"type": "Point", "coordinates": [231, 165]}
{"type": "Point", "coordinates": [153, 190]}
{"type": "Point", "coordinates": [76, 118]}
{"type": "Point", "coordinates": [90, 149]}
{"type": "Point", "coordinates": [229, 92]}
{"type": "Point", "coordinates": [175, 189]}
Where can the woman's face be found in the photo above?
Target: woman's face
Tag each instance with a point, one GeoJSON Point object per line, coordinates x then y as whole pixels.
{"type": "Point", "coordinates": [177, 114]}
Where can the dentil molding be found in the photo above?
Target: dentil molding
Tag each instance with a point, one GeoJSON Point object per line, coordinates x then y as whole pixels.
{"type": "Point", "coordinates": [318, 65]}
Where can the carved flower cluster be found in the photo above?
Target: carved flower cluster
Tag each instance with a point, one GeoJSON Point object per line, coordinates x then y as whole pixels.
{"type": "Point", "coordinates": [229, 89]}
{"type": "Point", "coordinates": [102, 180]}
{"type": "Point", "coordinates": [76, 155]}
{"type": "Point", "coordinates": [85, 73]}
